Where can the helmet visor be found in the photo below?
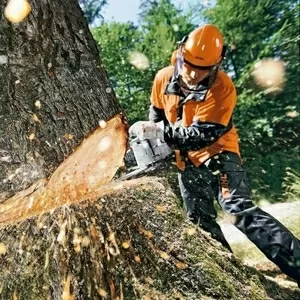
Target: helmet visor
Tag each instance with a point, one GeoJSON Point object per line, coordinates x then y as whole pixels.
{"type": "Point", "coordinates": [191, 77]}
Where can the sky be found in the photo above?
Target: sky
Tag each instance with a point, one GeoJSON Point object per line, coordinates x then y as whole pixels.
{"type": "Point", "coordinates": [127, 10]}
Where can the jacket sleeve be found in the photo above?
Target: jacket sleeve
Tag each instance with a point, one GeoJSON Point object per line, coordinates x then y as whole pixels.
{"type": "Point", "coordinates": [196, 136]}
{"type": "Point", "coordinates": [156, 114]}
{"type": "Point", "coordinates": [156, 110]}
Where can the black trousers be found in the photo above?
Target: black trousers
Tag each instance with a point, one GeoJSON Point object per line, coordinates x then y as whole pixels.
{"type": "Point", "coordinates": [223, 178]}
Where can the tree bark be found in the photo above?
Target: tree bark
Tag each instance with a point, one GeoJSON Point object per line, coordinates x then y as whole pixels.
{"type": "Point", "coordinates": [53, 91]}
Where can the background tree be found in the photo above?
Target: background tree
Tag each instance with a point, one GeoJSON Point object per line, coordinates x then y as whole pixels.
{"type": "Point", "coordinates": [92, 9]}
{"type": "Point", "coordinates": [161, 25]}
{"type": "Point", "coordinates": [119, 43]}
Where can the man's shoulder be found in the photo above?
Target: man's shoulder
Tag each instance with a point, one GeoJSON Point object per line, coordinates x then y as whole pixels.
{"type": "Point", "coordinates": [223, 88]}
{"type": "Point", "coordinates": [223, 83]}
{"type": "Point", "coordinates": [224, 78]}
{"type": "Point", "coordinates": [165, 73]}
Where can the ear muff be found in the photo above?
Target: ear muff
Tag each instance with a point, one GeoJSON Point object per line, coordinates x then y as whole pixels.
{"type": "Point", "coordinates": [224, 51]}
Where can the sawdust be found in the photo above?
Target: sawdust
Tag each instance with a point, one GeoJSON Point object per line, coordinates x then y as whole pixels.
{"type": "Point", "coordinates": [85, 174]}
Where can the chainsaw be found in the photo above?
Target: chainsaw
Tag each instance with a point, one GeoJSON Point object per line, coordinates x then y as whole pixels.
{"type": "Point", "coordinates": [144, 156]}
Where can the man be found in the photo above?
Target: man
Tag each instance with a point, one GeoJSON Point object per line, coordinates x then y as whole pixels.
{"type": "Point", "coordinates": [192, 103]}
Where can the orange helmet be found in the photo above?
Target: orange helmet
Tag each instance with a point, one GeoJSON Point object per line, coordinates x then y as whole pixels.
{"type": "Point", "coordinates": [204, 46]}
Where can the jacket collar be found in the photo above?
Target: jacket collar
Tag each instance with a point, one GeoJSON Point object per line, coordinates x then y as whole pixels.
{"type": "Point", "coordinates": [173, 88]}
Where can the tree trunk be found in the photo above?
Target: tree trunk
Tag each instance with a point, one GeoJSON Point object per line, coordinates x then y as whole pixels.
{"type": "Point", "coordinates": [131, 242]}
{"type": "Point", "coordinates": [53, 91]}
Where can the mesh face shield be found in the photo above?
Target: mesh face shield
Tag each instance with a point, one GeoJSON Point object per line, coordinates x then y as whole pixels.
{"type": "Point", "coordinates": [203, 84]}
{"type": "Point", "coordinates": [197, 91]}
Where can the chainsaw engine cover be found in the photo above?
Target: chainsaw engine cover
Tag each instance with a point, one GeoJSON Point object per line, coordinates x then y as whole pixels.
{"type": "Point", "coordinates": [146, 152]}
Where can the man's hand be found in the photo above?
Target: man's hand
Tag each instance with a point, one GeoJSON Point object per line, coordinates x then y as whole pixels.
{"type": "Point", "coordinates": [147, 130]}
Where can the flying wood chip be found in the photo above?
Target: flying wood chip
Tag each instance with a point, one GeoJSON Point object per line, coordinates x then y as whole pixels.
{"type": "Point", "coordinates": [2, 249]}
{"type": "Point", "coordinates": [161, 208]}
{"type": "Point", "coordinates": [102, 293]}
{"type": "Point", "coordinates": [125, 245]}
{"type": "Point", "coordinates": [191, 231]}
{"type": "Point", "coordinates": [181, 265]}
{"type": "Point", "coordinates": [164, 255]}
{"type": "Point", "coordinates": [137, 259]}
{"type": "Point", "coordinates": [17, 10]}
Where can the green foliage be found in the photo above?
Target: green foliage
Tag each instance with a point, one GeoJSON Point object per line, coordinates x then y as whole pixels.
{"type": "Point", "coordinates": [163, 25]}
{"type": "Point", "coordinates": [117, 41]}
{"type": "Point", "coordinates": [160, 27]}
{"type": "Point", "coordinates": [92, 9]}
{"type": "Point", "coordinates": [291, 184]}
{"type": "Point", "coordinates": [268, 174]}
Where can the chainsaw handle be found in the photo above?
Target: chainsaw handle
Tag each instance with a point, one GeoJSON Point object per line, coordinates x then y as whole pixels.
{"type": "Point", "coordinates": [136, 139]}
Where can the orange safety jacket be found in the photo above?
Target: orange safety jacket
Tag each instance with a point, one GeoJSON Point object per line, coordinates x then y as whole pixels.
{"type": "Point", "coordinates": [216, 108]}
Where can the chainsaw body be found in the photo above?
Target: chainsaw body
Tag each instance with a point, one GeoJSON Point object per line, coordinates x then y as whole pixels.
{"type": "Point", "coordinates": [144, 155]}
